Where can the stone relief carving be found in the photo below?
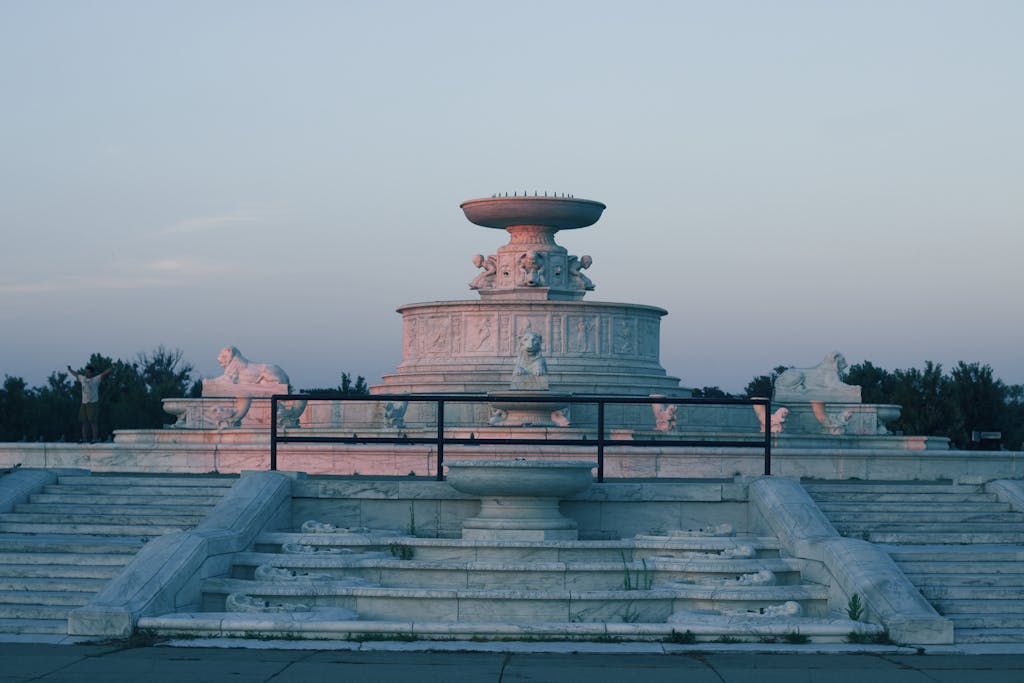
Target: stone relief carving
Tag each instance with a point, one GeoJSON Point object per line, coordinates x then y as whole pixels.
{"type": "Point", "coordinates": [664, 415]}
{"type": "Point", "coordinates": [484, 280]}
{"type": "Point", "coordinates": [739, 552]}
{"type": "Point", "coordinates": [624, 337]}
{"type": "Point", "coordinates": [581, 335]}
{"type": "Point", "coordinates": [481, 334]}
{"type": "Point", "coordinates": [497, 417]}
{"type": "Point", "coordinates": [531, 268]}
{"type": "Point", "coordinates": [576, 276]}
{"type": "Point", "coordinates": [821, 383]}
{"type": "Point", "coordinates": [438, 335]}
{"type": "Point", "coordinates": [560, 417]}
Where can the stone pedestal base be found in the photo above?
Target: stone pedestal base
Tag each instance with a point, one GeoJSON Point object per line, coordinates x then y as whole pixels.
{"type": "Point", "coordinates": [519, 519]}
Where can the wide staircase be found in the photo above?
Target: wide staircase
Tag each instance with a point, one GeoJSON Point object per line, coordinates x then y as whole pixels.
{"type": "Point", "coordinates": [961, 547]}
{"type": "Point", "coordinates": [63, 545]}
{"type": "Point", "coordinates": [361, 584]}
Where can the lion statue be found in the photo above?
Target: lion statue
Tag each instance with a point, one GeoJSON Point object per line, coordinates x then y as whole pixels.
{"type": "Point", "coordinates": [240, 370]}
{"type": "Point", "coordinates": [821, 383]}
{"type": "Point", "coordinates": [529, 362]}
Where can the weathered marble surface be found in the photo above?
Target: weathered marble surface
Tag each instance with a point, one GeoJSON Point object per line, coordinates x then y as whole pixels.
{"type": "Point", "coordinates": [858, 567]}
{"type": "Point", "coordinates": [166, 574]}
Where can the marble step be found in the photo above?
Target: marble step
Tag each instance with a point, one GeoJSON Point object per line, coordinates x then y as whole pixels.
{"type": "Point", "coordinates": [72, 543]}
{"type": "Point", "coordinates": [936, 593]}
{"type": "Point", "coordinates": [143, 530]}
{"type": "Point", "coordinates": [35, 611]}
{"type": "Point", "coordinates": [987, 621]}
{"type": "Point", "coordinates": [994, 635]}
{"type": "Point", "coordinates": [534, 551]}
{"type": "Point", "coordinates": [77, 559]}
{"type": "Point", "coordinates": [831, 507]}
{"type": "Point", "coordinates": [960, 527]}
{"type": "Point", "coordinates": [617, 626]}
{"type": "Point", "coordinates": [417, 604]}
{"type": "Point", "coordinates": [109, 517]}
{"type": "Point", "coordinates": [978, 579]}
{"type": "Point", "coordinates": [577, 576]}
{"type": "Point", "coordinates": [155, 490]}
{"type": "Point", "coordinates": [58, 571]}
{"type": "Point", "coordinates": [130, 480]}
{"type": "Point", "coordinates": [937, 517]}
{"type": "Point", "coordinates": [891, 487]}
{"type": "Point", "coordinates": [66, 598]}
{"type": "Point", "coordinates": [952, 607]}
{"type": "Point", "coordinates": [34, 626]}
{"type": "Point", "coordinates": [955, 553]}
{"type": "Point", "coordinates": [30, 584]}
{"type": "Point", "coordinates": [94, 509]}
{"type": "Point", "coordinates": [909, 497]}
{"type": "Point", "coordinates": [931, 538]}
{"type": "Point", "coordinates": [112, 499]}
{"type": "Point", "coordinates": [980, 569]}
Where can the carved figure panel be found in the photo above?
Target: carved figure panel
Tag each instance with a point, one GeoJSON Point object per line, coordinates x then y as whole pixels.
{"type": "Point", "coordinates": [480, 334]}
{"type": "Point", "coordinates": [624, 336]}
{"type": "Point", "coordinates": [437, 335]}
{"type": "Point", "coordinates": [582, 333]}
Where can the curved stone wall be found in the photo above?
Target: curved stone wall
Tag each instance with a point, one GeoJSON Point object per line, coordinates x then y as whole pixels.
{"type": "Point", "coordinates": [590, 347]}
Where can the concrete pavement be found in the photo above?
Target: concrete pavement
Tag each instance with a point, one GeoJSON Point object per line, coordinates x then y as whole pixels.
{"type": "Point", "coordinates": [117, 662]}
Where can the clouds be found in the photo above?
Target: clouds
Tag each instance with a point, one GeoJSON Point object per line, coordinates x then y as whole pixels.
{"type": "Point", "coordinates": [245, 218]}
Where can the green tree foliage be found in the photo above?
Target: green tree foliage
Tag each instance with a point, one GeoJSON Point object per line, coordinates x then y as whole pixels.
{"type": "Point", "coordinates": [711, 392]}
{"type": "Point", "coordinates": [346, 388]}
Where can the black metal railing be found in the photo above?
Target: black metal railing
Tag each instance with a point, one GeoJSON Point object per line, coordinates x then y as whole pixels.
{"type": "Point", "coordinates": [599, 442]}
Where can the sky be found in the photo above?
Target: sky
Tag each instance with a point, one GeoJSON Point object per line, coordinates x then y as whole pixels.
{"type": "Point", "coordinates": [785, 178]}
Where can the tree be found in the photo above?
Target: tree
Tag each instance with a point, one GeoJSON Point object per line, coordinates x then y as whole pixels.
{"type": "Point", "coordinates": [711, 392]}
{"type": "Point", "coordinates": [980, 400]}
{"type": "Point", "coordinates": [346, 388]}
{"type": "Point", "coordinates": [877, 384]}
{"type": "Point", "coordinates": [926, 399]}
{"type": "Point", "coordinates": [15, 408]}
{"type": "Point", "coordinates": [762, 386]}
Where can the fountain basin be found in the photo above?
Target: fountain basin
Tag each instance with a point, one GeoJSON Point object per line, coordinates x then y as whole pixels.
{"type": "Point", "coordinates": [519, 413]}
{"type": "Point", "coordinates": [519, 498]}
{"type": "Point", "coordinates": [561, 213]}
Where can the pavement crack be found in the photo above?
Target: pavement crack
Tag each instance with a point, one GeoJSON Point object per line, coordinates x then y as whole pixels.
{"type": "Point", "coordinates": [703, 660]}
{"type": "Point", "coordinates": [289, 665]}
{"type": "Point", "coordinates": [504, 663]}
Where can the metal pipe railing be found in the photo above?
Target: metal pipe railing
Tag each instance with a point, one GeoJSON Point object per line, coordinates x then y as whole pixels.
{"type": "Point", "coordinates": [599, 442]}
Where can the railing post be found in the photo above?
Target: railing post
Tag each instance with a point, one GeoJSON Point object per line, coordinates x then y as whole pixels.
{"type": "Point", "coordinates": [273, 433]}
{"type": "Point", "coordinates": [440, 439]}
{"type": "Point", "coordinates": [768, 438]}
{"type": "Point", "coordinates": [600, 441]}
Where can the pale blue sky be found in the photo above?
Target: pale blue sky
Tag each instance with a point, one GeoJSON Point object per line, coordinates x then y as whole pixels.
{"type": "Point", "coordinates": [786, 178]}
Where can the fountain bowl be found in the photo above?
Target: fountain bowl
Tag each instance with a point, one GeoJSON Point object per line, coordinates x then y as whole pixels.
{"type": "Point", "coordinates": [561, 213]}
{"type": "Point", "coordinates": [520, 477]}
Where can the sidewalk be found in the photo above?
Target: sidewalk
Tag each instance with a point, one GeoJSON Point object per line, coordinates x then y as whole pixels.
{"type": "Point", "coordinates": [116, 663]}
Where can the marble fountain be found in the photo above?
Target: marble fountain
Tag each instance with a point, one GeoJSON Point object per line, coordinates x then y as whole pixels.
{"type": "Point", "coordinates": [518, 543]}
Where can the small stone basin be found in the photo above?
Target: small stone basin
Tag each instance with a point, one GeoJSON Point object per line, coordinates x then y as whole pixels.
{"type": "Point", "coordinates": [519, 477]}
{"type": "Point", "coordinates": [519, 498]}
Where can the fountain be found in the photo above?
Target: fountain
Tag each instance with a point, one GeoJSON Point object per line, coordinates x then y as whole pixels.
{"type": "Point", "coordinates": [519, 498]}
